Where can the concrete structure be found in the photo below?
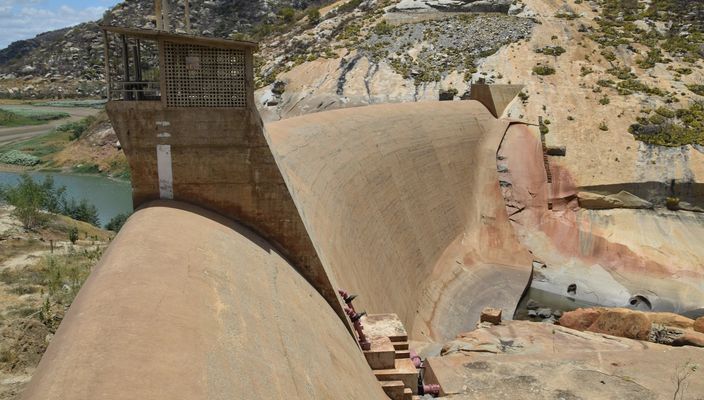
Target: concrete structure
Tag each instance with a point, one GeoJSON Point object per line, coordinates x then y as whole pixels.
{"type": "Point", "coordinates": [403, 204]}
{"type": "Point", "coordinates": [400, 204]}
{"type": "Point", "coordinates": [496, 98]}
{"type": "Point", "coordinates": [187, 304]}
{"type": "Point", "coordinates": [215, 157]}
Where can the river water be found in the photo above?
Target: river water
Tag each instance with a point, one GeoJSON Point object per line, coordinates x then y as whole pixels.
{"type": "Point", "coordinates": [110, 197]}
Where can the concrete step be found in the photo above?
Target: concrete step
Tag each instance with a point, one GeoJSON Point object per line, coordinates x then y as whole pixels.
{"type": "Point", "coordinates": [400, 346]}
{"type": "Point", "coordinates": [407, 394]}
{"type": "Point", "coordinates": [404, 371]}
{"type": "Point", "coordinates": [403, 354]}
{"type": "Point", "coordinates": [382, 354]}
{"type": "Point", "coordinates": [386, 325]}
{"type": "Point", "coordinates": [394, 389]}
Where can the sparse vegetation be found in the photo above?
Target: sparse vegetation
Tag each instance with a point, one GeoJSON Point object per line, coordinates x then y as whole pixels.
{"type": "Point", "coordinates": [76, 129]}
{"type": "Point", "coordinates": [32, 200]}
{"type": "Point", "coordinates": [551, 50]}
{"type": "Point", "coordinates": [22, 117]}
{"type": "Point", "coordinates": [523, 96]}
{"type": "Point", "coordinates": [696, 89]}
{"type": "Point", "coordinates": [667, 127]}
{"type": "Point", "coordinates": [603, 126]}
{"type": "Point", "coordinates": [313, 16]}
{"type": "Point", "coordinates": [543, 70]}
{"type": "Point", "coordinates": [116, 222]}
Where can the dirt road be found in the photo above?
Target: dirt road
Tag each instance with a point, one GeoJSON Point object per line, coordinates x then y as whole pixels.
{"type": "Point", "coordinates": [14, 134]}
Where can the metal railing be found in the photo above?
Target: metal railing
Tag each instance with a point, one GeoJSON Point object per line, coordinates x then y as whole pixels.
{"type": "Point", "coordinates": [135, 91]}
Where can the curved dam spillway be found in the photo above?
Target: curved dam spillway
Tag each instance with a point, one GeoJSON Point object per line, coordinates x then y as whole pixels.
{"type": "Point", "coordinates": [403, 205]}
{"type": "Point", "coordinates": [400, 204]}
{"type": "Point", "coordinates": [188, 305]}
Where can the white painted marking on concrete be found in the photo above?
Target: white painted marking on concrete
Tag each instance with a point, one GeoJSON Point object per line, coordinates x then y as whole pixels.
{"type": "Point", "coordinates": [166, 179]}
{"type": "Point", "coordinates": [163, 123]}
{"type": "Point", "coordinates": [163, 135]}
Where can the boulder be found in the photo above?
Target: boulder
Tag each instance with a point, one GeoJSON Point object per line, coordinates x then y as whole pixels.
{"type": "Point", "coordinates": [699, 325]}
{"type": "Point", "coordinates": [491, 315]}
{"type": "Point", "coordinates": [622, 199]}
{"type": "Point", "coordinates": [532, 304]}
{"type": "Point", "coordinates": [544, 312]}
{"type": "Point", "coordinates": [623, 323]}
{"type": "Point", "coordinates": [670, 319]}
{"type": "Point", "coordinates": [580, 319]}
{"type": "Point", "coordinates": [626, 323]}
{"type": "Point", "coordinates": [690, 338]}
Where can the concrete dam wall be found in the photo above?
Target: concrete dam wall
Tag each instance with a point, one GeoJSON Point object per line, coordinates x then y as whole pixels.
{"type": "Point", "coordinates": [186, 304]}
{"type": "Point", "coordinates": [402, 202]}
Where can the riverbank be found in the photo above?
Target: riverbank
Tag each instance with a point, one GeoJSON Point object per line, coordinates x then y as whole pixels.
{"type": "Point", "coordinates": [87, 145]}
{"type": "Point", "coordinates": [41, 271]}
{"type": "Point", "coordinates": [110, 196]}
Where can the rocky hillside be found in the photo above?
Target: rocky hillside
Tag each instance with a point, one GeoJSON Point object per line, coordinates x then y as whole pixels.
{"type": "Point", "coordinates": [69, 62]}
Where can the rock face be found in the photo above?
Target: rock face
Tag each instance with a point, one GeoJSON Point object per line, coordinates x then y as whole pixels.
{"type": "Point", "coordinates": [699, 325]}
{"type": "Point", "coordinates": [524, 360]}
{"type": "Point", "coordinates": [501, 6]}
{"type": "Point", "coordinates": [630, 325]}
{"type": "Point", "coordinates": [658, 327]}
{"type": "Point", "coordinates": [622, 199]}
{"type": "Point", "coordinates": [640, 258]}
{"type": "Point", "coordinates": [77, 52]}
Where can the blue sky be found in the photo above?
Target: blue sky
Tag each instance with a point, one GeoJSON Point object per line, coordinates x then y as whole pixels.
{"type": "Point", "coordinates": [23, 19]}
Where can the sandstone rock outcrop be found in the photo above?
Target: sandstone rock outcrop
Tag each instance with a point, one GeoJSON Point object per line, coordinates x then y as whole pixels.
{"type": "Point", "coordinates": [524, 360]}
{"type": "Point", "coordinates": [622, 199]}
{"type": "Point", "coordinates": [665, 328]}
{"type": "Point", "coordinates": [699, 325]}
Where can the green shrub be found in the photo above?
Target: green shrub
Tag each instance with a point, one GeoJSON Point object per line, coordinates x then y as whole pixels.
{"type": "Point", "coordinates": [28, 198]}
{"type": "Point", "coordinates": [78, 128]}
{"type": "Point", "coordinates": [313, 16]}
{"type": "Point", "coordinates": [603, 126]}
{"type": "Point", "coordinates": [28, 116]}
{"type": "Point", "coordinates": [696, 89]}
{"type": "Point", "coordinates": [671, 127]}
{"type": "Point", "coordinates": [666, 112]}
{"type": "Point", "coordinates": [117, 222]}
{"type": "Point", "coordinates": [287, 14]}
{"type": "Point", "coordinates": [551, 50]}
{"type": "Point", "coordinates": [604, 100]}
{"type": "Point", "coordinates": [383, 28]}
{"type": "Point", "coordinates": [73, 235]}
{"type": "Point", "coordinates": [654, 56]}
{"type": "Point", "coordinates": [81, 211]}
{"type": "Point", "coordinates": [609, 55]}
{"type": "Point", "coordinates": [16, 157]}
{"type": "Point", "coordinates": [543, 70]}
{"type": "Point", "coordinates": [349, 6]}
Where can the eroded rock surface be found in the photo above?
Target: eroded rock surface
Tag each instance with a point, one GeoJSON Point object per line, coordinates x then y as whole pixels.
{"type": "Point", "coordinates": [526, 360]}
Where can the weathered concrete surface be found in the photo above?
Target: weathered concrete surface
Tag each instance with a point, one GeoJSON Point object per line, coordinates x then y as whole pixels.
{"type": "Point", "coordinates": [612, 256]}
{"type": "Point", "coordinates": [495, 97]}
{"type": "Point", "coordinates": [403, 205]}
{"type": "Point", "coordinates": [187, 305]}
{"type": "Point", "coordinates": [220, 160]}
{"type": "Point", "coordinates": [526, 360]}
